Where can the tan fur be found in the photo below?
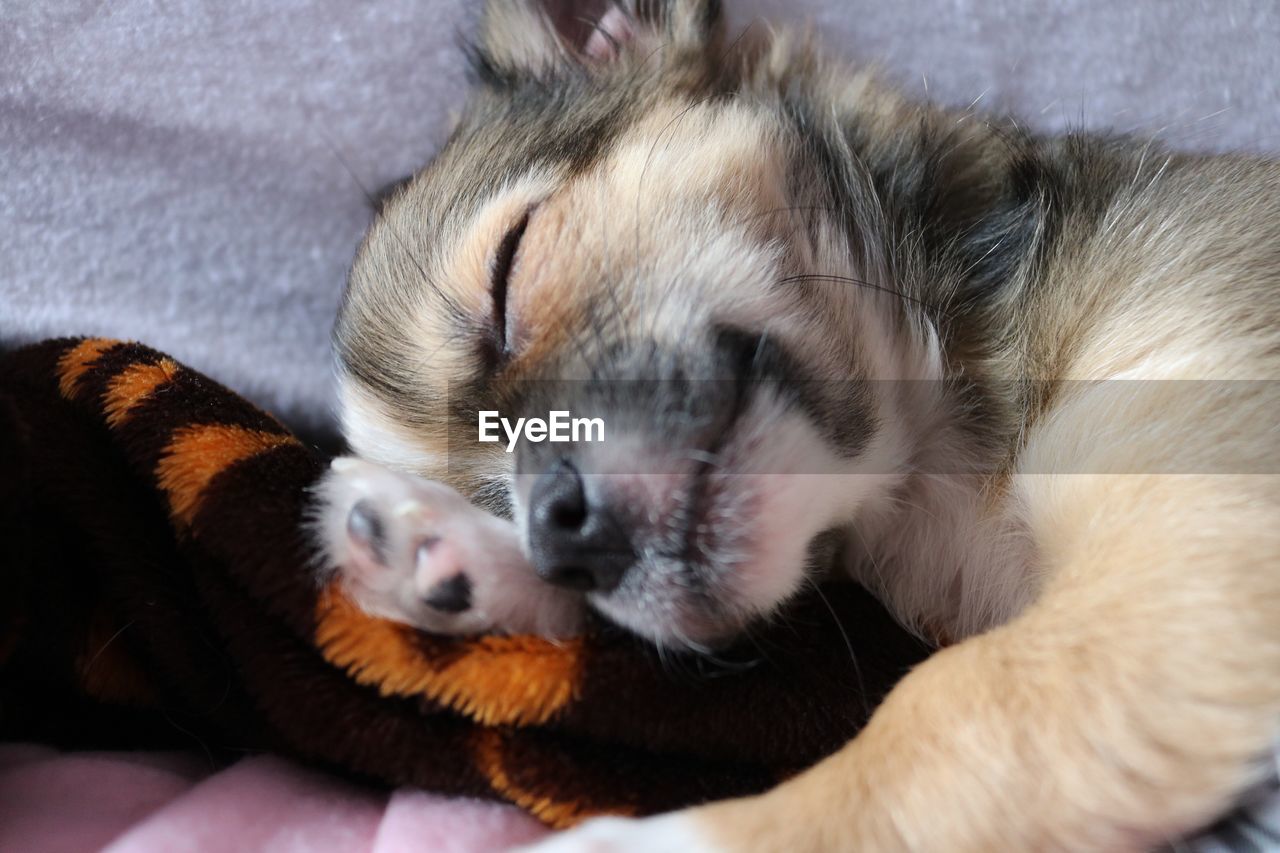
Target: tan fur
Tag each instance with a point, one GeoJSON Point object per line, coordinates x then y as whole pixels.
{"type": "Point", "coordinates": [1111, 577]}
{"type": "Point", "coordinates": [1137, 695]}
{"type": "Point", "coordinates": [1123, 708]}
{"type": "Point", "coordinates": [565, 258]}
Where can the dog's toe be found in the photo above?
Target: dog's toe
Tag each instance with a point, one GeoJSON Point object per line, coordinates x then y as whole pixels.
{"type": "Point", "coordinates": [366, 531]}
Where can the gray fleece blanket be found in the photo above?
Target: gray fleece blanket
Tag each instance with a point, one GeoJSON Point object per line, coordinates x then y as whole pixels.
{"type": "Point", "coordinates": [172, 171]}
{"type": "Point", "coordinates": [187, 172]}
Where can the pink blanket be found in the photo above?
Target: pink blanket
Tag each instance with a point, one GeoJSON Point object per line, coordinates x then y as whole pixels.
{"type": "Point", "coordinates": [133, 802]}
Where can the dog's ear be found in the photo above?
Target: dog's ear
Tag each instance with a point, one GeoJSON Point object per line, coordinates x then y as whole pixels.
{"type": "Point", "coordinates": [540, 37]}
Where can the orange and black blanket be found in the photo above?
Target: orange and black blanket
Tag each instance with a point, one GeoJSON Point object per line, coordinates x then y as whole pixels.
{"type": "Point", "coordinates": [158, 590]}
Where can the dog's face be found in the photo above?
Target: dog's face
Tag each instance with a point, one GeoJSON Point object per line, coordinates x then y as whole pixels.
{"type": "Point", "coordinates": [623, 228]}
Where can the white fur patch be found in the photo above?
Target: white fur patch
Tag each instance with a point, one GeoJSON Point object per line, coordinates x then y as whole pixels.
{"type": "Point", "coordinates": [673, 833]}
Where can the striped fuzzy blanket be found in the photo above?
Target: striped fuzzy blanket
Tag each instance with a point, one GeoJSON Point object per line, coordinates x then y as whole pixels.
{"type": "Point", "coordinates": [159, 591]}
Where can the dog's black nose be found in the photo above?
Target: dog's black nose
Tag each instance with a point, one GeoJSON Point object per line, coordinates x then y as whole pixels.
{"type": "Point", "coordinates": [575, 544]}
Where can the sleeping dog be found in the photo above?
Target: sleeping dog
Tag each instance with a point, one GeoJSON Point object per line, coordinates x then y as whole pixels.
{"type": "Point", "coordinates": [1019, 386]}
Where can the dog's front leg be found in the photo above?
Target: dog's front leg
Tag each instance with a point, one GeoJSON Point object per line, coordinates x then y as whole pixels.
{"type": "Point", "coordinates": [1127, 706]}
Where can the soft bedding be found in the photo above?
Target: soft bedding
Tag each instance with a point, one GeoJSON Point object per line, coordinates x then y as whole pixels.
{"type": "Point", "coordinates": [127, 802]}
{"type": "Point", "coordinates": [187, 174]}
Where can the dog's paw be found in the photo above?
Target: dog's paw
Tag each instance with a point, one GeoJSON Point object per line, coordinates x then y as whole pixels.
{"type": "Point", "coordinates": [416, 551]}
{"type": "Point", "coordinates": [673, 833]}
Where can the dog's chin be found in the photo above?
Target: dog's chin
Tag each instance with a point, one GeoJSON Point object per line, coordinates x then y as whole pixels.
{"type": "Point", "coordinates": [683, 628]}
{"type": "Point", "coordinates": [670, 606]}
{"type": "Point", "coordinates": [708, 604]}
{"type": "Point", "coordinates": [707, 607]}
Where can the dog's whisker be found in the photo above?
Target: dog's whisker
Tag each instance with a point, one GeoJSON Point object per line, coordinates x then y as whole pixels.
{"type": "Point", "coordinates": [844, 279]}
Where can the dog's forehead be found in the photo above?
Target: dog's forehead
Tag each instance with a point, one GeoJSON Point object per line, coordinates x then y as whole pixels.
{"type": "Point", "coordinates": [566, 122]}
{"type": "Point", "coordinates": [677, 196]}
{"type": "Point", "coordinates": [675, 192]}
{"type": "Point", "coordinates": [664, 175]}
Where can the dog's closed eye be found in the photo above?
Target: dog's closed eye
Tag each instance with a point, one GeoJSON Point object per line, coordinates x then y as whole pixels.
{"type": "Point", "coordinates": [503, 263]}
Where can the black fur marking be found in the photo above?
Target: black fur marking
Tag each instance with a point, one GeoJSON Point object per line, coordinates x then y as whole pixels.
{"type": "Point", "coordinates": [842, 411]}
{"type": "Point", "coordinates": [484, 70]}
{"type": "Point", "coordinates": [379, 197]}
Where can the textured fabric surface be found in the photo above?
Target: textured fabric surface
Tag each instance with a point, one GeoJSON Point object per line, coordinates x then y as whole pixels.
{"type": "Point", "coordinates": [168, 170]}
{"type": "Point", "coordinates": [136, 802]}
{"type": "Point", "coordinates": [159, 585]}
